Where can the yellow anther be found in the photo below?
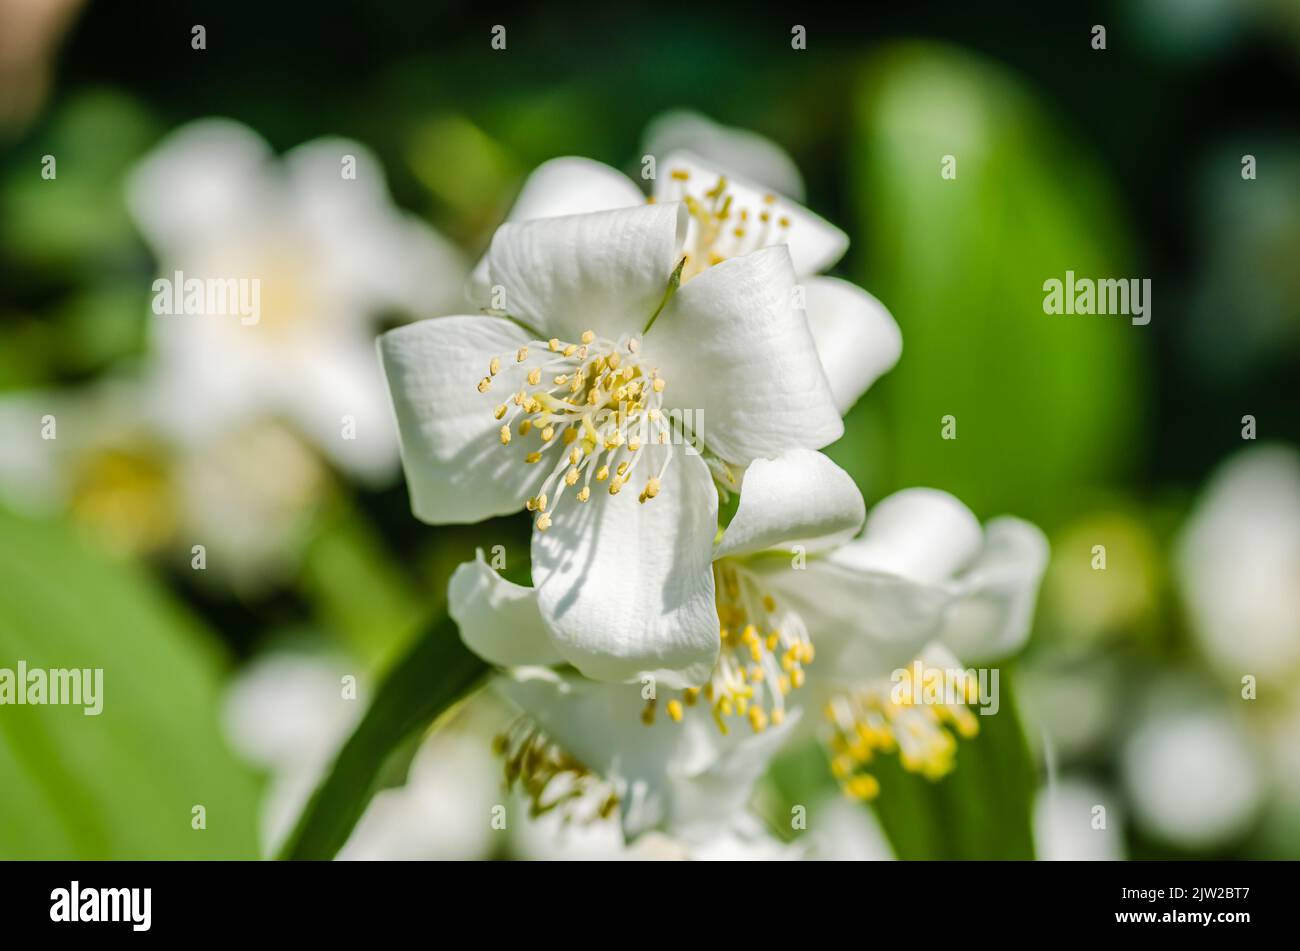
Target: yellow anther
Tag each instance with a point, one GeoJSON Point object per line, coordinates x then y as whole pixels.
{"type": "Point", "coordinates": [494, 367]}
{"type": "Point", "coordinates": [587, 336]}
{"type": "Point", "coordinates": [560, 380]}
{"type": "Point", "coordinates": [783, 221]}
{"type": "Point", "coordinates": [570, 350]}
{"type": "Point", "coordinates": [525, 427]}
{"type": "Point", "coordinates": [675, 710]}
{"type": "Point", "coordinates": [548, 434]}
{"type": "Point", "coordinates": [543, 522]}
{"type": "Point", "coordinates": [690, 695]}
{"type": "Point", "coordinates": [757, 719]}
{"type": "Point", "coordinates": [584, 494]}
{"type": "Point", "coordinates": [769, 603]}
{"type": "Point", "coordinates": [633, 444]}
{"type": "Point", "coordinates": [658, 385]}
{"type": "Point", "coordinates": [554, 344]}
{"type": "Point", "coordinates": [541, 502]}
{"type": "Point", "coordinates": [602, 473]}
{"type": "Point", "coordinates": [571, 477]}
{"type": "Point", "coordinates": [778, 716]}
{"type": "Point", "coordinates": [648, 714]}
{"type": "Point", "coordinates": [863, 787]}
{"type": "Point", "coordinates": [651, 488]}
{"type": "Point", "coordinates": [769, 199]}
{"type": "Point", "coordinates": [615, 485]}
{"type": "Point", "coordinates": [533, 457]}
{"type": "Point", "coordinates": [575, 454]}
{"type": "Point", "coordinates": [534, 376]}
{"type": "Point", "coordinates": [614, 360]}
{"type": "Point", "coordinates": [680, 174]}
{"type": "Point", "coordinates": [485, 384]}
{"type": "Point", "coordinates": [521, 355]}
{"type": "Point", "coordinates": [505, 435]}
{"type": "Point", "coordinates": [499, 411]}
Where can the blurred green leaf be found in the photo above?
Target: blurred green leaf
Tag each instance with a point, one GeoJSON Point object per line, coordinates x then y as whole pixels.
{"type": "Point", "coordinates": [436, 673]}
{"type": "Point", "coordinates": [357, 588]}
{"type": "Point", "coordinates": [120, 785]}
{"type": "Point", "coordinates": [982, 810]}
{"type": "Point", "coordinates": [80, 215]}
{"type": "Point", "coordinates": [1039, 400]}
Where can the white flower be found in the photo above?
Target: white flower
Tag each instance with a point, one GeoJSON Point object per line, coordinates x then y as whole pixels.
{"type": "Point", "coordinates": [1077, 821]}
{"type": "Point", "coordinates": [1238, 561]}
{"type": "Point", "coordinates": [923, 575]}
{"type": "Point", "coordinates": [331, 254]}
{"type": "Point", "coordinates": [1191, 774]}
{"type": "Point", "coordinates": [561, 418]}
{"type": "Point", "coordinates": [139, 490]}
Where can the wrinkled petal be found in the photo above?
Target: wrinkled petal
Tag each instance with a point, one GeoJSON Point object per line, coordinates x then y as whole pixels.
{"type": "Point", "coordinates": [498, 619]}
{"type": "Point", "coordinates": [733, 346]}
{"type": "Point", "coordinates": [924, 535]}
{"type": "Point", "coordinates": [607, 271]}
{"type": "Point", "coordinates": [626, 587]}
{"type": "Point", "coordinates": [749, 154]}
{"type": "Point", "coordinates": [569, 185]}
{"type": "Point", "coordinates": [456, 468]}
{"type": "Point", "coordinates": [800, 498]}
{"type": "Point", "coordinates": [815, 244]}
{"type": "Point", "coordinates": [994, 609]}
{"type": "Point", "coordinates": [857, 339]}
{"type": "Point", "coordinates": [681, 777]}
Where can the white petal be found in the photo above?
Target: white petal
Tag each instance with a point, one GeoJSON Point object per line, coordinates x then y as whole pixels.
{"type": "Point", "coordinates": [456, 468]}
{"type": "Point", "coordinates": [569, 185]}
{"type": "Point", "coordinates": [370, 250]}
{"type": "Point", "coordinates": [498, 619]}
{"type": "Point", "coordinates": [857, 339]}
{"type": "Point", "coordinates": [799, 498]}
{"type": "Point", "coordinates": [924, 535]}
{"type": "Point", "coordinates": [747, 153]}
{"type": "Point", "coordinates": [681, 777]}
{"type": "Point", "coordinates": [204, 181]}
{"type": "Point", "coordinates": [815, 244]}
{"type": "Point", "coordinates": [607, 271]}
{"type": "Point", "coordinates": [994, 609]}
{"type": "Point", "coordinates": [863, 624]}
{"type": "Point", "coordinates": [626, 587]}
{"type": "Point", "coordinates": [333, 390]}
{"type": "Point", "coordinates": [734, 348]}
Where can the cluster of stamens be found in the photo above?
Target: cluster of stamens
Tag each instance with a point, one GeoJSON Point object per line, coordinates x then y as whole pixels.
{"type": "Point", "coordinates": [551, 778]}
{"type": "Point", "coordinates": [593, 407]}
{"type": "Point", "coordinates": [764, 652]}
{"type": "Point", "coordinates": [885, 718]}
{"type": "Point", "coordinates": [724, 229]}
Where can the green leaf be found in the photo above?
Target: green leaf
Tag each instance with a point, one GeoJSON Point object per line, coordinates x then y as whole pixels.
{"type": "Point", "coordinates": [436, 672]}
{"type": "Point", "coordinates": [122, 784]}
{"type": "Point", "coordinates": [358, 589]}
{"type": "Point", "coordinates": [1039, 400]}
{"type": "Point", "coordinates": [981, 810]}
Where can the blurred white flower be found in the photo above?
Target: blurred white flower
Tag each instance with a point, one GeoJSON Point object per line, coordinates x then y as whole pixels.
{"type": "Point", "coordinates": [331, 254]}
{"type": "Point", "coordinates": [1191, 775]}
{"type": "Point", "coordinates": [495, 417]}
{"type": "Point", "coordinates": [287, 714]}
{"type": "Point", "coordinates": [842, 831]}
{"type": "Point", "coordinates": [115, 472]}
{"type": "Point", "coordinates": [1238, 560]}
{"type": "Point", "coordinates": [1077, 821]}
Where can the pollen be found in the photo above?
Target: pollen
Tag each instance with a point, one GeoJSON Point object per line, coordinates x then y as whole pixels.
{"type": "Point", "coordinates": [599, 400]}
{"type": "Point", "coordinates": [918, 715]}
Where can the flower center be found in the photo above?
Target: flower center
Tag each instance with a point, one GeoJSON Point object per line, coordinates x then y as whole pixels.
{"type": "Point", "coordinates": [593, 406]}
{"type": "Point", "coordinates": [550, 777]}
{"type": "Point", "coordinates": [914, 714]}
{"type": "Point", "coordinates": [724, 228]}
{"type": "Point", "coordinates": [764, 650]}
